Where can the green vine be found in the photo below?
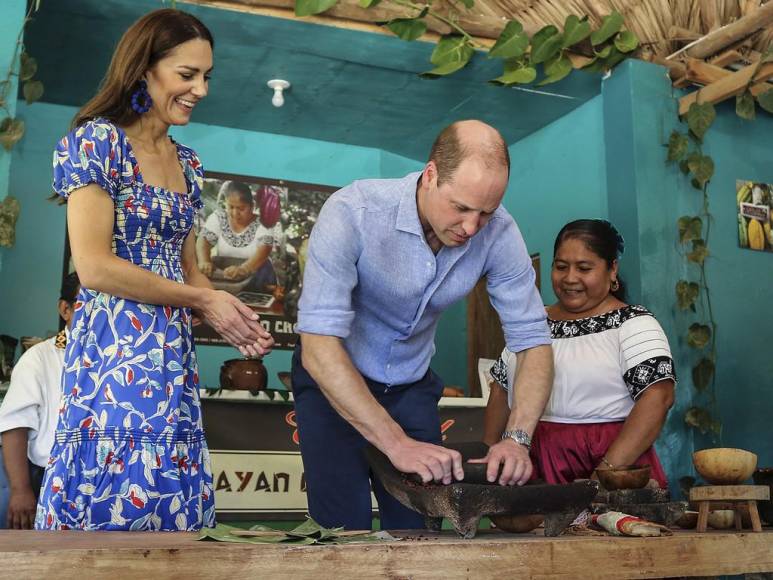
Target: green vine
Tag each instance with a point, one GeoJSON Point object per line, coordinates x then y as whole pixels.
{"type": "Point", "coordinates": [24, 67]}
{"type": "Point", "coordinates": [605, 47]}
{"type": "Point", "coordinates": [686, 149]}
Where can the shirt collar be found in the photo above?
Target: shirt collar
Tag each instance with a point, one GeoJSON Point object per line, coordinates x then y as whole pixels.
{"type": "Point", "coordinates": [408, 212]}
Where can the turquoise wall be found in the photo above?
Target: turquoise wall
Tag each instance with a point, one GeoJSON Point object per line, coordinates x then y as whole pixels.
{"type": "Point", "coordinates": [10, 24]}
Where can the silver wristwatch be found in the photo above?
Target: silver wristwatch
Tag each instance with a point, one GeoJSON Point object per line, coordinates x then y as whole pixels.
{"type": "Point", "coordinates": [519, 436]}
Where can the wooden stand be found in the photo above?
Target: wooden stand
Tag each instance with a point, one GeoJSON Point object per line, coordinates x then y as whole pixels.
{"type": "Point", "coordinates": [735, 495]}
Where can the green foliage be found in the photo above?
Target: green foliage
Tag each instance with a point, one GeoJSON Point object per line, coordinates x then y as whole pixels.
{"type": "Point", "coordinates": [702, 373]}
{"type": "Point", "coordinates": [575, 30]}
{"type": "Point", "coordinates": [744, 105]}
{"type": "Point", "coordinates": [609, 27]}
{"type": "Point", "coordinates": [451, 54]}
{"type": "Point", "coordinates": [556, 69]}
{"type": "Point", "coordinates": [545, 44]}
{"type": "Point", "coordinates": [690, 228]}
{"type": "Point", "coordinates": [512, 42]}
{"type": "Point", "coordinates": [700, 116]}
{"type": "Point", "coordinates": [677, 146]}
{"type": "Point", "coordinates": [11, 130]}
{"type": "Point", "coordinates": [701, 419]}
{"type": "Point", "coordinates": [766, 100]}
{"type": "Point", "coordinates": [311, 7]}
{"type": "Point", "coordinates": [686, 294]}
{"type": "Point", "coordinates": [699, 252]}
{"type": "Point", "coordinates": [517, 71]}
{"type": "Point", "coordinates": [407, 28]}
{"type": "Point", "coordinates": [699, 335]}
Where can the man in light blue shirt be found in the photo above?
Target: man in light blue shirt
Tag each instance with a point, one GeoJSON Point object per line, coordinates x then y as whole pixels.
{"type": "Point", "coordinates": [385, 258]}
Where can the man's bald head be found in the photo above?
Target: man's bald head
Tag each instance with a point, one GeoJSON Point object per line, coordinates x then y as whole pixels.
{"type": "Point", "coordinates": [468, 139]}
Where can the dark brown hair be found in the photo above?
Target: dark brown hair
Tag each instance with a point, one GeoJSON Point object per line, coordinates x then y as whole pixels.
{"type": "Point", "coordinates": [147, 41]}
{"type": "Point", "coordinates": [448, 152]}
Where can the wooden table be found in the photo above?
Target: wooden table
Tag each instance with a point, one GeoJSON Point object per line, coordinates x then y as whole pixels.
{"type": "Point", "coordinates": [114, 555]}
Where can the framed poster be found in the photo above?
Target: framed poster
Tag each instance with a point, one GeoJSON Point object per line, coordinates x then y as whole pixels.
{"type": "Point", "coordinates": [251, 240]}
{"type": "Point", "coordinates": [754, 202]}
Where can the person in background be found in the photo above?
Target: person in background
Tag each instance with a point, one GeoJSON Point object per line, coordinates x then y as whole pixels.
{"type": "Point", "coordinates": [130, 451]}
{"type": "Point", "coordinates": [614, 375]}
{"type": "Point", "coordinates": [386, 257]}
{"type": "Point", "coordinates": [236, 232]}
{"type": "Point", "coordinates": [28, 417]}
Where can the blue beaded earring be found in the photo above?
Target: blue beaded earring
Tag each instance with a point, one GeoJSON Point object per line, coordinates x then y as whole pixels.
{"type": "Point", "coordinates": [141, 101]}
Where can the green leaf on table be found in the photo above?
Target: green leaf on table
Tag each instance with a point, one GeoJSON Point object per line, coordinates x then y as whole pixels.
{"type": "Point", "coordinates": [545, 44]}
{"type": "Point", "coordinates": [702, 168]}
{"type": "Point", "coordinates": [690, 228]}
{"type": "Point", "coordinates": [702, 373]}
{"type": "Point", "coordinates": [686, 294]}
{"type": "Point", "coordinates": [407, 28]}
{"type": "Point", "coordinates": [609, 27]}
{"type": "Point", "coordinates": [766, 100]}
{"type": "Point", "coordinates": [28, 66]}
{"type": "Point", "coordinates": [698, 335]}
{"type": "Point", "coordinates": [32, 90]}
{"type": "Point", "coordinates": [626, 41]}
{"type": "Point", "coordinates": [744, 105]}
{"type": "Point", "coordinates": [699, 252]}
{"type": "Point", "coordinates": [512, 42]}
{"type": "Point", "coordinates": [575, 30]}
{"type": "Point", "coordinates": [309, 7]}
{"type": "Point", "coordinates": [556, 69]}
{"type": "Point", "coordinates": [11, 130]}
{"type": "Point", "coordinates": [516, 71]}
{"type": "Point", "coordinates": [700, 116]}
{"type": "Point", "coordinates": [677, 146]}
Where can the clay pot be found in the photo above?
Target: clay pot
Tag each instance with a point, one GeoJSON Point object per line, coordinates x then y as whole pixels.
{"type": "Point", "coordinates": [764, 476]}
{"type": "Point", "coordinates": [688, 520]}
{"type": "Point", "coordinates": [518, 524]}
{"type": "Point", "coordinates": [724, 465]}
{"type": "Point", "coordinates": [624, 477]}
{"type": "Point", "coordinates": [721, 519]}
{"type": "Point", "coordinates": [245, 374]}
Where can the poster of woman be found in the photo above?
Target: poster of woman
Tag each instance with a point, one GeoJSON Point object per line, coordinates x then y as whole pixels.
{"type": "Point", "coordinates": [250, 240]}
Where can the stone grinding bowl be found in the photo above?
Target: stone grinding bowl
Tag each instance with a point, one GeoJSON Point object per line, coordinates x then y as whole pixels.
{"type": "Point", "coordinates": [724, 465]}
{"type": "Point", "coordinates": [465, 502]}
{"type": "Point", "coordinates": [624, 477]}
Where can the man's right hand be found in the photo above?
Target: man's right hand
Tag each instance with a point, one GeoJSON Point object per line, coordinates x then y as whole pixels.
{"type": "Point", "coordinates": [21, 509]}
{"type": "Point", "coordinates": [430, 462]}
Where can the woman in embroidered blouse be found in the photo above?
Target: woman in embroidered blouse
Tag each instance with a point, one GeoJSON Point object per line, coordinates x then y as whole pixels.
{"type": "Point", "coordinates": [236, 232]}
{"type": "Point", "coordinates": [129, 451]}
{"type": "Point", "coordinates": [614, 376]}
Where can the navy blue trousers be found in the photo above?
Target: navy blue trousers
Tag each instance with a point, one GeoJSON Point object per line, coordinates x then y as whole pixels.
{"type": "Point", "coordinates": [338, 479]}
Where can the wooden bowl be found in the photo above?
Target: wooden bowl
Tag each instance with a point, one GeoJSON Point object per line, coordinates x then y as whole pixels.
{"type": "Point", "coordinates": [721, 519]}
{"type": "Point", "coordinates": [624, 477]}
{"type": "Point", "coordinates": [518, 524]}
{"type": "Point", "coordinates": [724, 465]}
{"type": "Point", "coordinates": [688, 520]}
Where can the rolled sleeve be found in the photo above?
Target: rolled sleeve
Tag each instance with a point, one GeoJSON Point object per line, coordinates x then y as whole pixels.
{"type": "Point", "coordinates": [23, 401]}
{"type": "Point", "coordinates": [330, 274]}
{"type": "Point", "coordinates": [514, 295]}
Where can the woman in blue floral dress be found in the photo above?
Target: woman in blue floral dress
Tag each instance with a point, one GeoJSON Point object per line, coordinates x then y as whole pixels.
{"type": "Point", "coordinates": [130, 452]}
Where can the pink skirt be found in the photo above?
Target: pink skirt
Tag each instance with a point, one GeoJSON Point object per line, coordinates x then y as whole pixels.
{"type": "Point", "coordinates": [563, 452]}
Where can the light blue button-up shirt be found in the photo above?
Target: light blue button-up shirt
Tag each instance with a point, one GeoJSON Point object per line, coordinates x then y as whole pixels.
{"type": "Point", "coordinates": [372, 279]}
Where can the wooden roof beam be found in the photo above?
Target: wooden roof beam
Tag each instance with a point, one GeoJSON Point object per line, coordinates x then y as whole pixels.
{"type": "Point", "coordinates": [729, 86]}
{"type": "Point", "coordinates": [722, 37]}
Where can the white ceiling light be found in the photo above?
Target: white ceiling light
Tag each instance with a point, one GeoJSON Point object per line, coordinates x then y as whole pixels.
{"type": "Point", "coordinates": [279, 86]}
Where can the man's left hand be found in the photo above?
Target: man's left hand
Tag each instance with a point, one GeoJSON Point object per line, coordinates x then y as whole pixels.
{"type": "Point", "coordinates": [514, 459]}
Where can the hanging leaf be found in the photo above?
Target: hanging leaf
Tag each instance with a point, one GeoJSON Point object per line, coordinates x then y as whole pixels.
{"type": "Point", "coordinates": [32, 90]}
{"type": "Point", "coordinates": [604, 52]}
{"type": "Point", "coordinates": [699, 252]}
{"type": "Point", "coordinates": [677, 146]}
{"type": "Point", "coordinates": [690, 228]}
{"type": "Point", "coordinates": [766, 100]}
{"type": "Point", "coordinates": [700, 116]}
{"type": "Point", "coordinates": [684, 167]}
{"type": "Point", "coordinates": [309, 7]}
{"type": "Point", "coordinates": [698, 335]}
{"type": "Point", "coordinates": [368, 3]}
{"type": "Point", "coordinates": [702, 373]}
{"type": "Point", "coordinates": [594, 66]}
{"type": "Point", "coordinates": [545, 44]}
{"type": "Point", "coordinates": [609, 27]}
{"type": "Point", "coordinates": [686, 294]}
{"type": "Point", "coordinates": [615, 57]}
{"type": "Point", "coordinates": [512, 43]}
{"type": "Point", "coordinates": [452, 49]}
{"type": "Point", "coordinates": [626, 41]}
{"type": "Point", "coordinates": [11, 130]}
{"type": "Point", "coordinates": [556, 69]}
{"type": "Point", "coordinates": [468, 4]}
{"type": "Point", "coordinates": [407, 28]}
{"type": "Point", "coordinates": [444, 69]}
{"type": "Point", "coordinates": [516, 72]}
{"type": "Point", "coordinates": [744, 105]}
{"type": "Point", "coordinates": [700, 418]}
{"type": "Point", "coordinates": [702, 167]}
{"type": "Point", "coordinates": [28, 66]}
{"type": "Point", "coordinates": [575, 30]}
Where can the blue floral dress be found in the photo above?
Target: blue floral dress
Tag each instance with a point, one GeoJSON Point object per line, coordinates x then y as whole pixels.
{"type": "Point", "coordinates": [130, 452]}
